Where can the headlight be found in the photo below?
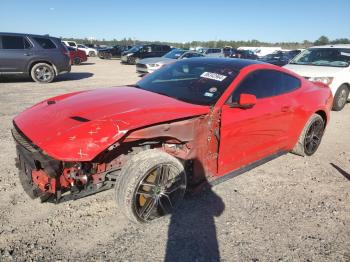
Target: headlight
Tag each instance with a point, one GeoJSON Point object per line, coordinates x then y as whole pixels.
{"type": "Point", "coordinates": [324, 80]}
{"type": "Point", "coordinates": [154, 65]}
{"type": "Point", "coordinates": [130, 54]}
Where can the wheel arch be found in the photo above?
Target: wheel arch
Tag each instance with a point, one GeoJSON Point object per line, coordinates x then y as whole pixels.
{"type": "Point", "coordinates": [42, 61]}
{"type": "Point", "coordinates": [324, 116]}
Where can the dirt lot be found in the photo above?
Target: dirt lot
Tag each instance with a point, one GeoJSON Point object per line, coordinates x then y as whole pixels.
{"type": "Point", "coordinates": [290, 209]}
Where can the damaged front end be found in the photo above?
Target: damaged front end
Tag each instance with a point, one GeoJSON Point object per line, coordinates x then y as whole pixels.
{"type": "Point", "coordinates": [57, 181]}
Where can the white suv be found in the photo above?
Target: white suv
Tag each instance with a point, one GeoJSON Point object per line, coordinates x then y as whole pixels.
{"type": "Point", "coordinates": [327, 64]}
{"type": "Point", "coordinates": [88, 50]}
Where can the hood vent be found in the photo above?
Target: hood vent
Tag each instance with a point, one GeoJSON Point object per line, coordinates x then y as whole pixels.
{"type": "Point", "coordinates": [80, 119]}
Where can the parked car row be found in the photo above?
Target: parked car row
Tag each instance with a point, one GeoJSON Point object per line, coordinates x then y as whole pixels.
{"type": "Point", "coordinates": [88, 50]}
{"type": "Point", "coordinates": [149, 65]}
{"type": "Point", "coordinates": [43, 57]}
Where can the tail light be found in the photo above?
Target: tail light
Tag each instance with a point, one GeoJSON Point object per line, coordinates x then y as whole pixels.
{"type": "Point", "coordinates": [65, 50]}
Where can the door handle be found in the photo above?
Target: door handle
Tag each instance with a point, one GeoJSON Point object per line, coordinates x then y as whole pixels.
{"type": "Point", "coordinates": [285, 109]}
{"type": "Point", "coordinates": [28, 54]}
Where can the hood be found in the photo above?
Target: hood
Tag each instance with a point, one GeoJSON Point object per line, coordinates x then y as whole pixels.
{"type": "Point", "coordinates": [79, 126]}
{"type": "Point", "coordinates": [153, 60]}
{"type": "Point", "coordinates": [314, 71]}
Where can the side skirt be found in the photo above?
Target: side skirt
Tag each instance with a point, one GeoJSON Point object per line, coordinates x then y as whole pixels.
{"type": "Point", "coordinates": [244, 169]}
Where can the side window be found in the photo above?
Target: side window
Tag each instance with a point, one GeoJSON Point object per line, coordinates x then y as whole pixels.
{"type": "Point", "coordinates": [44, 42]}
{"type": "Point", "coordinates": [266, 83]}
{"type": "Point", "coordinates": [157, 48]}
{"type": "Point", "coordinates": [289, 83]}
{"type": "Point", "coordinates": [15, 42]}
{"type": "Point", "coordinates": [71, 43]}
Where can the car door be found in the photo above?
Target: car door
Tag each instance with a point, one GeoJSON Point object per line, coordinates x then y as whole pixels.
{"type": "Point", "coordinates": [15, 53]}
{"type": "Point", "coordinates": [248, 135]}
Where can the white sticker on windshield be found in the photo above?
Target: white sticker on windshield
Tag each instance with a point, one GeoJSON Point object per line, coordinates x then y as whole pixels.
{"type": "Point", "coordinates": [208, 94]}
{"type": "Point", "coordinates": [213, 76]}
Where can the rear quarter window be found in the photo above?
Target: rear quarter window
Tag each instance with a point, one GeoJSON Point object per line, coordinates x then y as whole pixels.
{"type": "Point", "coordinates": [45, 42]}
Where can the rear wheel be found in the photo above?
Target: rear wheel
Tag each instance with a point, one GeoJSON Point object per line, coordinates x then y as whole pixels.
{"type": "Point", "coordinates": [92, 54]}
{"type": "Point", "coordinates": [310, 137]}
{"type": "Point", "coordinates": [340, 97]}
{"type": "Point", "coordinates": [77, 61]}
{"type": "Point", "coordinates": [42, 73]}
{"type": "Point", "coordinates": [152, 184]}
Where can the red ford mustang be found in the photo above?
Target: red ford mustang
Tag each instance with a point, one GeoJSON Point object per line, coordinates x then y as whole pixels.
{"type": "Point", "coordinates": [189, 124]}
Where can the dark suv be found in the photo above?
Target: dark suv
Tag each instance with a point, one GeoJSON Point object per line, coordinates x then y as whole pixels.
{"type": "Point", "coordinates": [137, 52]}
{"type": "Point", "coordinates": [41, 57]}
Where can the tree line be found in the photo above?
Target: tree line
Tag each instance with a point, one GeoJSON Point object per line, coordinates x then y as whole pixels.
{"type": "Point", "coordinates": [323, 40]}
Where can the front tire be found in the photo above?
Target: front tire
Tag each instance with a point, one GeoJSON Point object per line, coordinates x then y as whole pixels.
{"type": "Point", "coordinates": [340, 98]}
{"type": "Point", "coordinates": [42, 73]}
{"type": "Point", "coordinates": [152, 183]}
{"type": "Point", "coordinates": [92, 54]}
{"type": "Point", "coordinates": [310, 137]}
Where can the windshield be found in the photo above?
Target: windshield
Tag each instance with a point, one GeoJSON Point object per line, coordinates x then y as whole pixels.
{"type": "Point", "coordinates": [197, 81]}
{"type": "Point", "coordinates": [174, 54]}
{"type": "Point", "coordinates": [335, 57]}
{"type": "Point", "coordinates": [135, 48]}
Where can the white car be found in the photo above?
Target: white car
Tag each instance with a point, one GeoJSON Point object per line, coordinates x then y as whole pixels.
{"type": "Point", "coordinates": [328, 64]}
{"type": "Point", "coordinates": [70, 43]}
{"type": "Point", "coordinates": [88, 50]}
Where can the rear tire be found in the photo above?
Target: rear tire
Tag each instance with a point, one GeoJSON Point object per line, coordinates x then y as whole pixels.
{"type": "Point", "coordinates": [340, 98]}
{"type": "Point", "coordinates": [42, 73]}
{"type": "Point", "coordinates": [77, 61]}
{"type": "Point", "coordinates": [310, 137]}
{"type": "Point", "coordinates": [151, 184]}
{"type": "Point", "coordinates": [92, 54]}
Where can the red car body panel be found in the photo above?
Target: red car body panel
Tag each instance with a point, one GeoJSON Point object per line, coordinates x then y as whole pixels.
{"type": "Point", "coordinates": [112, 112]}
{"type": "Point", "coordinates": [82, 126]}
{"type": "Point", "coordinates": [77, 53]}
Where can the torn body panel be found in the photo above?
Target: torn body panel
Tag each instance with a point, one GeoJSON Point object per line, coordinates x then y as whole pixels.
{"type": "Point", "coordinates": [194, 140]}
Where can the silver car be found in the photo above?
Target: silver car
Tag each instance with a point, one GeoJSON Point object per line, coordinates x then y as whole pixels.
{"type": "Point", "coordinates": [149, 65]}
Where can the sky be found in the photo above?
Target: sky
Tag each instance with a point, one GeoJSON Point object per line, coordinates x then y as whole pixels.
{"type": "Point", "coordinates": [179, 21]}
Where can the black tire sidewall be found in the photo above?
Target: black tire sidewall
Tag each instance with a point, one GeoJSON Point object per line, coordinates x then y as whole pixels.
{"type": "Point", "coordinates": [133, 172]}
{"type": "Point", "coordinates": [336, 106]}
{"type": "Point", "coordinates": [313, 119]}
{"type": "Point", "coordinates": [77, 61]}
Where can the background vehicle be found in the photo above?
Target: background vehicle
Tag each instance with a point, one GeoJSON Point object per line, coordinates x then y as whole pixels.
{"type": "Point", "coordinates": [115, 51]}
{"type": "Point", "coordinates": [158, 138]}
{"type": "Point", "coordinates": [41, 57]}
{"type": "Point", "coordinates": [138, 52]}
{"type": "Point", "coordinates": [149, 65]}
{"type": "Point", "coordinates": [88, 50]}
{"type": "Point", "coordinates": [77, 56]}
{"type": "Point", "coordinates": [327, 64]}
{"type": "Point", "coordinates": [70, 43]}
{"type": "Point", "coordinates": [244, 54]}
{"type": "Point", "coordinates": [280, 58]}
{"type": "Point", "coordinates": [229, 51]}
{"type": "Point", "coordinates": [214, 52]}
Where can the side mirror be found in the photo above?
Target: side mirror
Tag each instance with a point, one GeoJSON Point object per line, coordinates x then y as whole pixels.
{"type": "Point", "coordinates": [246, 100]}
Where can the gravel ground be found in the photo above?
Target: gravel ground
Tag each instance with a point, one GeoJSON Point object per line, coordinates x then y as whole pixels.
{"type": "Point", "coordinates": [290, 209]}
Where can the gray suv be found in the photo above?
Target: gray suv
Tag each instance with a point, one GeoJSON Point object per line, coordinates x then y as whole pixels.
{"type": "Point", "coordinates": [41, 57]}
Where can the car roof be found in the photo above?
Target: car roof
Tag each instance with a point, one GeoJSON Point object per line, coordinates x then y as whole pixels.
{"type": "Point", "coordinates": [333, 46]}
{"type": "Point", "coordinates": [236, 64]}
{"type": "Point", "coordinates": [24, 34]}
